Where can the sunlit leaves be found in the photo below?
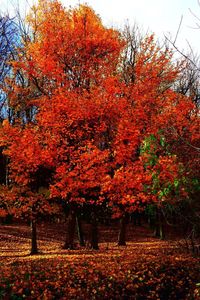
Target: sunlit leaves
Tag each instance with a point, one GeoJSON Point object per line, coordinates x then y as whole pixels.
{"type": "Point", "coordinates": [72, 47]}
{"type": "Point", "coordinates": [149, 269]}
{"type": "Point", "coordinates": [99, 137]}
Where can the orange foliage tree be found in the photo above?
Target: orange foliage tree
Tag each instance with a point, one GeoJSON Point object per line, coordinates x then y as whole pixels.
{"type": "Point", "coordinates": [90, 124]}
{"type": "Point", "coordinates": [66, 61]}
{"type": "Point", "coordinates": [26, 192]}
{"type": "Point", "coordinates": [151, 107]}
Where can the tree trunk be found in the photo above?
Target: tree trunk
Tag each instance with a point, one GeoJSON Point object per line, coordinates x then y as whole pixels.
{"type": "Point", "coordinates": [159, 226]}
{"type": "Point", "coordinates": [71, 226]}
{"type": "Point", "coordinates": [7, 171]}
{"type": "Point", "coordinates": [136, 218]}
{"type": "Point", "coordinates": [122, 231]}
{"type": "Point", "coordinates": [151, 222]}
{"type": "Point", "coordinates": [80, 231]}
{"type": "Point", "coordinates": [34, 248]}
{"type": "Point", "coordinates": [94, 232]}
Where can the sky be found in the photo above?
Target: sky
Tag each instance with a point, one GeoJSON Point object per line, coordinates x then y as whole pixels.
{"type": "Point", "coordinates": [159, 16]}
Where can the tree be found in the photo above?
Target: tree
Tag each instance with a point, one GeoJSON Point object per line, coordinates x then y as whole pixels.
{"type": "Point", "coordinates": [68, 133]}
{"type": "Point", "coordinates": [86, 48]}
{"type": "Point", "coordinates": [92, 119]}
{"type": "Point", "coordinates": [29, 176]}
{"type": "Point", "coordinates": [8, 42]}
{"type": "Point", "coordinates": [152, 107]}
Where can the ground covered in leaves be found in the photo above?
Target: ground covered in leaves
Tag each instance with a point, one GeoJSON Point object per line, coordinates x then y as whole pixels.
{"type": "Point", "coordinates": [146, 268]}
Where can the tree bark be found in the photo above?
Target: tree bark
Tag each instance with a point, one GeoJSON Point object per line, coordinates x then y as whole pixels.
{"type": "Point", "coordinates": [159, 226]}
{"type": "Point", "coordinates": [122, 231]}
{"type": "Point", "coordinates": [7, 171]}
{"type": "Point", "coordinates": [136, 218]}
{"type": "Point", "coordinates": [80, 231]}
{"type": "Point", "coordinates": [71, 226]}
{"type": "Point", "coordinates": [34, 248]}
{"type": "Point", "coordinates": [94, 232]}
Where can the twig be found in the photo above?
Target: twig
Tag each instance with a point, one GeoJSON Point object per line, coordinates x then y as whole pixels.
{"type": "Point", "coordinates": [186, 142]}
{"type": "Point", "coordinates": [178, 30]}
{"type": "Point", "coordinates": [184, 55]}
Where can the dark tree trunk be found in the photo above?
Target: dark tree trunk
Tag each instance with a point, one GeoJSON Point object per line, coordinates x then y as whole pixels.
{"type": "Point", "coordinates": [80, 231]}
{"type": "Point", "coordinates": [34, 248]}
{"type": "Point", "coordinates": [7, 172]}
{"type": "Point", "coordinates": [151, 222]}
{"type": "Point", "coordinates": [159, 226]}
{"type": "Point", "coordinates": [94, 232]}
{"type": "Point", "coordinates": [71, 227]}
{"type": "Point", "coordinates": [136, 218]}
{"type": "Point", "coordinates": [122, 230]}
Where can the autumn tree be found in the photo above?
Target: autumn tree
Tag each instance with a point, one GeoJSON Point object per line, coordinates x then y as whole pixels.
{"type": "Point", "coordinates": [187, 144]}
{"type": "Point", "coordinates": [70, 124]}
{"type": "Point", "coordinates": [27, 193]}
{"type": "Point", "coordinates": [96, 101]}
{"type": "Point", "coordinates": [152, 107]}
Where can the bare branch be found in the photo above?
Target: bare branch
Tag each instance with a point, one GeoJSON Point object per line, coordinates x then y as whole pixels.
{"type": "Point", "coordinates": [178, 30]}
{"type": "Point", "coordinates": [183, 54]}
{"type": "Point", "coordinates": [185, 141]}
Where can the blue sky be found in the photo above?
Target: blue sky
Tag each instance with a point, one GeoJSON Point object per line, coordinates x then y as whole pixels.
{"type": "Point", "coordinates": [159, 16]}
